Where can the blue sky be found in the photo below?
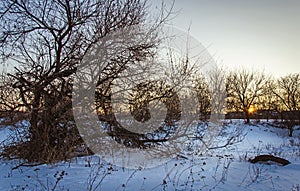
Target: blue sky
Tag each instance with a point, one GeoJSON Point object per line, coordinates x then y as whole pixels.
{"type": "Point", "coordinates": [256, 34]}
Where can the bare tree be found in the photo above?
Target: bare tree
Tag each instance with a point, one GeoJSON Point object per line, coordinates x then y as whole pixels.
{"type": "Point", "coordinates": [288, 93]}
{"type": "Point", "coordinates": [243, 89]}
{"type": "Point", "coordinates": [150, 91]}
{"type": "Point", "coordinates": [204, 97]}
{"type": "Point", "coordinates": [45, 41]}
{"type": "Point", "coordinates": [269, 101]}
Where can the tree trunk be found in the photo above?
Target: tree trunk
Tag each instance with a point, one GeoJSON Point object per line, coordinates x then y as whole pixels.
{"type": "Point", "coordinates": [291, 130]}
{"type": "Point", "coordinates": [34, 117]}
{"type": "Point", "coordinates": [38, 135]}
{"type": "Point", "coordinates": [247, 117]}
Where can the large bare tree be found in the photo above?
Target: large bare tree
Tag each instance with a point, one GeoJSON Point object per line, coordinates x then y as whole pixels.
{"type": "Point", "coordinates": [243, 89]}
{"type": "Point", "coordinates": [45, 41]}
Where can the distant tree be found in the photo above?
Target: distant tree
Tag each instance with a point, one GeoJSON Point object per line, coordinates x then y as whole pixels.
{"type": "Point", "coordinates": [45, 41]}
{"type": "Point", "coordinates": [243, 90]}
{"type": "Point", "coordinates": [10, 102]}
{"type": "Point", "coordinates": [269, 101]}
{"type": "Point", "coordinates": [288, 92]}
{"type": "Point", "coordinates": [204, 97]}
{"type": "Point", "coordinates": [217, 78]}
{"type": "Point", "coordinates": [150, 91]}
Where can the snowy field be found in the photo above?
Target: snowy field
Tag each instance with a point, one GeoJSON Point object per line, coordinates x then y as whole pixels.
{"type": "Point", "coordinates": [219, 169]}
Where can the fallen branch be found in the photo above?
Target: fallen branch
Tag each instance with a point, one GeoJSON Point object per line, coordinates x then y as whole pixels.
{"type": "Point", "coordinates": [267, 158]}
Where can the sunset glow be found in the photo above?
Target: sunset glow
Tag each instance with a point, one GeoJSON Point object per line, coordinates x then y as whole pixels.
{"type": "Point", "coordinates": [251, 110]}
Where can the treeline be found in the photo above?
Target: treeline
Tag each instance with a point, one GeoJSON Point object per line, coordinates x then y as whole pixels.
{"type": "Point", "coordinates": [254, 94]}
{"type": "Point", "coordinates": [249, 92]}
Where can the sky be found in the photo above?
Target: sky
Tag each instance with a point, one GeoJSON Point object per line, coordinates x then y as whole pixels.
{"type": "Point", "coordinates": [260, 35]}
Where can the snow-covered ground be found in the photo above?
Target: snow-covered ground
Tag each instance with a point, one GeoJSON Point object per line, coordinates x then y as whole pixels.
{"type": "Point", "coordinates": [219, 169]}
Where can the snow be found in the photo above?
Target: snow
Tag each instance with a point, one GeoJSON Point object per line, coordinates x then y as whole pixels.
{"type": "Point", "coordinates": [218, 169]}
